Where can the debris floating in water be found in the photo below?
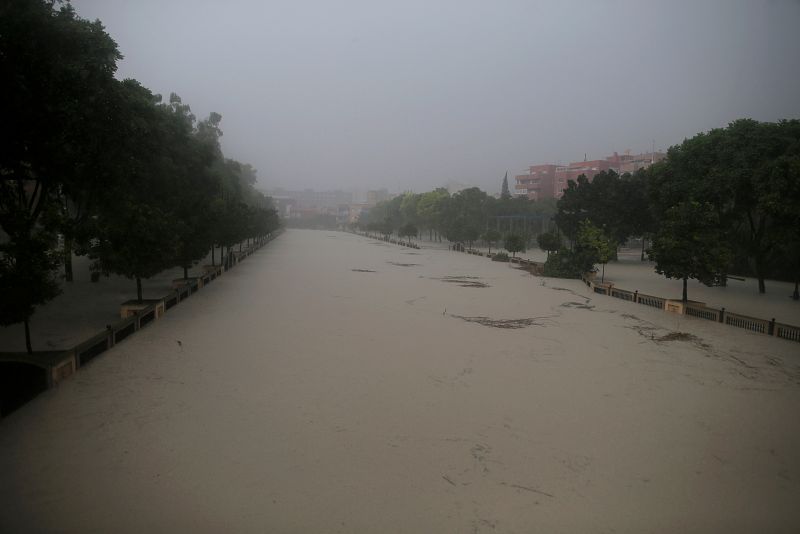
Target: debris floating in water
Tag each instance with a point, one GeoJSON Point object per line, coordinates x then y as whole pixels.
{"type": "Point", "coordinates": [501, 323]}
{"type": "Point", "coordinates": [464, 281]}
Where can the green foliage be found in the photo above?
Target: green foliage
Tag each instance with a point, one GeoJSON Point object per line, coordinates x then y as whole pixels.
{"type": "Point", "coordinates": [500, 256]}
{"type": "Point", "coordinates": [408, 230]}
{"type": "Point", "coordinates": [690, 244]}
{"type": "Point", "coordinates": [573, 207]}
{"type": "Point", "coordinates": [731, 169]}
{"type": "Point", "coordinates": [549, 241]}
{"type": "Point", "coordinates": [747, 174]}
{"type": "Point", "coordinates": [103, 162]}
{"type": "Point", "coordinates": [491, 237]}
{"type": "Point", "coordinates": [595, 242]}
{"type": "Point", "coordinates": [617, 204]}
{"type": "Point", "coordinates": [460, 218]}
{"type": "Point", "coordinates": [136, 241]}
{"type": "Point", "coordinates": [568, 264]}
{"type": "Point", "coordinates": [514, 243]}
{"type": "Point", "coordinates": [592, 246]}
{"type": "Point", "coordinates": [57, 94]}
{"type": "Point", "coordinates": [27, 276]}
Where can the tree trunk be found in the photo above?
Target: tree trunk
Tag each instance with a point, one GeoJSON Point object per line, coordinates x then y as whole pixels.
{"type": "Point", "coordinates": [796, 294]}
{"type": "Point", "coordinates": [685, 297]}
{"type": "Point", "coordinates": [28, 336]}
{"type": "Point", "coordinates": [185, 272]}
{"type": "Point", "coordinates": [213, 261]}
{"type": "Point", "coordinates": [603, 274]}
{"type": "Point", "coordinates": [67, 259]}
{"type": "Point", "coordinates": [758, 265]}
{"type": "Point", "coordinates": [643, 241]}
{"type": "Point", "coordinates": [139, 289]}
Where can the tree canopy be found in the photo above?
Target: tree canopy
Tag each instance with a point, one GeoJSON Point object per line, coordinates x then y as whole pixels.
{"type": "Point", "coordinates": [102, 163]}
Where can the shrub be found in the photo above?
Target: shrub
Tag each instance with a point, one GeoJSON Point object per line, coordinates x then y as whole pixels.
{"type": "Point", "coordinates": [500, 256]}
{"type": "Point", "coordinates": [568, 264]}
{"type": "Point", "coordinates": [514, 243]}
{"type": "Point", "coordinates": [549, 242]}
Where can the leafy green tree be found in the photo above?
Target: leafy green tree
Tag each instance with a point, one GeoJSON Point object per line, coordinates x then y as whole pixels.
{"type": "Point", "coordinates": [691, 244]}
{"type": "Point", "coordinates": [408, 230]}
{"type": "Point", "coordinates": [780, 194]}
{"type": "Point", "coordinates": [635, 213]}
{"type": "Point", "coordinates": [616, 204]}
{"type": "Point", "coordinates": [573, 207]}
{"type": "Point", "coordinates": [136, 224]}
{"type": "Point", "coordinates": [596, 244]}
{"type": "Point", "coordinates": [514, 243]}
{"type": "Point", "coordinates": [491, 236]}
{"type": "Point", "coordinates": [569, 263]}
{"type": "Point", "coordinates": [137, 242]}
{"type": "Point", "coordinates": [27, 278]}
{"type": "Point", "coordinates": [549, 241]}
{"type": "Point", "coordinates": [408, 209]}
{"type": "Point", "coordinates": [430, 208]}
{"type": "Point", "coordinates": [193, 182]}
{"type": "Point", "coordinates": [728, 169]}
{"type": "Point", "coordinates": [56, 70]}
{"type": "Point", "coordinates": [265, 221]}
{"type": "Point", "coordinates": [465, 214]}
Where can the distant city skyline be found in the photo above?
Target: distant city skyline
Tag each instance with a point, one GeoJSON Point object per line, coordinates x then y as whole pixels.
{"type": "Point", "coordinates": [411, 95]}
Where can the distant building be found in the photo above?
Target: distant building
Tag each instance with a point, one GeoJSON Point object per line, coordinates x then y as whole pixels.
{"type": "Point", "coordinates": [550, 181]}
{"type": "Point", "coordinates": [632, 163]}
{"type": "Point", "coordinates": [377, 195]}
{"type": "Point", "coordinates": [565, 173]}
{"type": "Point", "coordinates": [537, 183]}
{"type": "Point", "coordinates": [357, 211]}
{"type": "Point", "coordinates": [284, 205]}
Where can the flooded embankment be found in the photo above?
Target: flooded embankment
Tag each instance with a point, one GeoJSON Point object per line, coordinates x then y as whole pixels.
{"type": "Point", "coordinates": [332, 383]}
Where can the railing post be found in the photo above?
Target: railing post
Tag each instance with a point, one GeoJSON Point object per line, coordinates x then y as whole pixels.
{"type": "Point", "coordinates": [771, 328]}
{"type": "Point", "coordinates": [636, 296]}
{"type": "Point", "coordinates": [722, 315]}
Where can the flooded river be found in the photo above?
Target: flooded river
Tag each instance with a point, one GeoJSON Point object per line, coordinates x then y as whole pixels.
{"type": "Point", "coordinates": [333, 383]}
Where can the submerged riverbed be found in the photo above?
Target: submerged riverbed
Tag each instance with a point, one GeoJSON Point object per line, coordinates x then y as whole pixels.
{"type": "Point", "coordinates": [333, 383]}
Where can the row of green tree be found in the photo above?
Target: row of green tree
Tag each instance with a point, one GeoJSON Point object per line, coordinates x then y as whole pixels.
{"type": "Point", "coordinates": [723, 202]}
{"type": "Point", "coordinates": [93, 165]}
{"type": "Point", "coordinates": [465, 217]}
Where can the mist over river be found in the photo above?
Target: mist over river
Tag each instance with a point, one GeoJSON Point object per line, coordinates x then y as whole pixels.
{"type": "Point", "coordinates": [334, 383]}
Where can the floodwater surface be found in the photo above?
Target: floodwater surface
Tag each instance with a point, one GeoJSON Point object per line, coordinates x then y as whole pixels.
{"type": "Point", "coordinates": [334, 383]}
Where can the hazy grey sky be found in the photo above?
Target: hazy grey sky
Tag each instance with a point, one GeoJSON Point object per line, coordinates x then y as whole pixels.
{"type": "Point", "coordinates": [411, 94]}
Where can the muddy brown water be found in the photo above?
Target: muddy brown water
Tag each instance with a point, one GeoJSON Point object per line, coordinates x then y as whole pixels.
{"type": "Point", "coordinates": [306, 397]}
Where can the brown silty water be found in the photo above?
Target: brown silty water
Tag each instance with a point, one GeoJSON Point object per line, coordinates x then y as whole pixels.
{"type": "Point", "coordinates": [332, 383]}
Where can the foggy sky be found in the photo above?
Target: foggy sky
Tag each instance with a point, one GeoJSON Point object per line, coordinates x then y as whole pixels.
{"type": "Point", "coordinates": [411, 94]}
